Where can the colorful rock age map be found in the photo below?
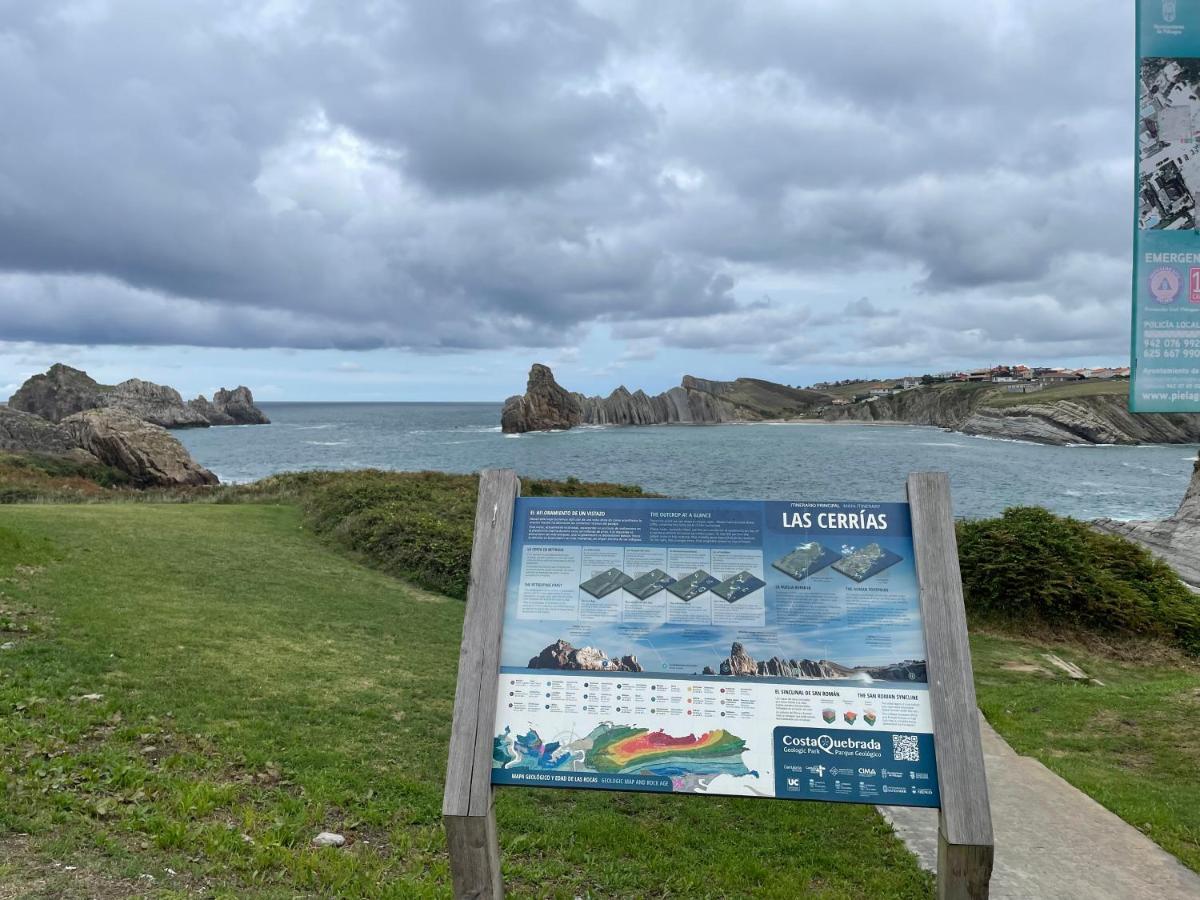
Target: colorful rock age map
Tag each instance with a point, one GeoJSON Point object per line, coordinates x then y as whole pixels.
{"type": "Point", "coordinates": [689, 761]}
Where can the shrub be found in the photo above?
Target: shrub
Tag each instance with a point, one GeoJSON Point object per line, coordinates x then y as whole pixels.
{"type": "Point", "coordinates": [416, 525]}
{"type": "Point", "coordinates": [1031, 566]}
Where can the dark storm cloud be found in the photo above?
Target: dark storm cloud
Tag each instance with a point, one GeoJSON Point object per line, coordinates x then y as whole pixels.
{"type": "Point", "coordinates": [464, 174]}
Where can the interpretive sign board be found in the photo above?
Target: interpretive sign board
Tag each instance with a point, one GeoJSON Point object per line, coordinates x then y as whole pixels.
{"type": "Point", "coordinates": [763, 649]}
{"type": "Point", "coordinates": [1165, 368]}
{"type": "Point", "coordinates": [800, 650]}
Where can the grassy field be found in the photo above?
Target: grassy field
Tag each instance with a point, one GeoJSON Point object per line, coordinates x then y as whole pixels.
{"type": "Point", "coordinates": [1071, 390]}
{"type": "Point", "coordinates": [1131, 743]}
{"type": "Point", "coordinates": [197, 690]}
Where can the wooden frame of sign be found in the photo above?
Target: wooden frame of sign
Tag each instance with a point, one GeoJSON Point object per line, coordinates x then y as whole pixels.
{"type": "Point", "coordinates": [965, 846]}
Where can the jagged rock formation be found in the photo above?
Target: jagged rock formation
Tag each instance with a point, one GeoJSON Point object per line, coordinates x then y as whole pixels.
{"type": "Point", "coordinates": [1176, 539]}
{"type": "Point", "coordinates": [146, 452]}
{"type": "Point", "coordinates": [741, 664]}
{"type": "Point", "coordinates": [561, 655]}
{"type": "Point", "coordinates": [546, 405]}
{"type": "Point", "coordinates": [60, 392]}
{"type": "Point", "coordinates": [63, 391]}
{"type": "Point", "coordinates": [153, 403]}
{"type": "Point", "coordinates": [1093, 419]}
{"type": "Point", "coordinates": [234, 407]}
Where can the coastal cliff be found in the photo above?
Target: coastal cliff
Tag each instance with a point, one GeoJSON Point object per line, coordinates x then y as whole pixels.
{"type": "Point", "coordinates": [1089, 418]}
{"type": "Point", "coordinates": [546, 405]}
{"type": "Point", "coordinates": [1081, 413]}
{"type": "Point", "coordinates": [1176, 539]}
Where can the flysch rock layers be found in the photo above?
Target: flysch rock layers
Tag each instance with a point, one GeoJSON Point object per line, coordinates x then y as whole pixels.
{"type": "Point", "coordinates": [547, 406]}
{"type": "Point", "coordinates": [1097, 419]}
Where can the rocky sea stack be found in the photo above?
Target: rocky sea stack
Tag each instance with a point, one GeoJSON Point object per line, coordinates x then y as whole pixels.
{"type": "Point", "coordinates": [65, 412]}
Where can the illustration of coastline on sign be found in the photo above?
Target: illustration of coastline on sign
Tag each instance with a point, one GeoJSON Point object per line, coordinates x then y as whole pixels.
{"type": "Point", "coordinates": [690, 761]}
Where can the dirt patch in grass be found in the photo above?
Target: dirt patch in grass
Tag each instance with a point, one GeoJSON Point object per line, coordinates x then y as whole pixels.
{"type": "Point", "coordinates": [24, 877]}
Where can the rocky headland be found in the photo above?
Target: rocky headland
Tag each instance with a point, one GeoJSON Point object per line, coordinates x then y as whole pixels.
{"type": "Point", "coordinates": [741, 664]}
{"type": "Point", "coordinates": [547, 406]}
{"type": "Point", "coordinates": [1097, 418]}
{"type": "Point", "coordinates": [1088, 417]}
{"type": "Point", "coordinates": [1175, 540]}
{"type": "Point", "coordinates": [63, 391]}
{"type": "Point", "coordinates": [65, 412]}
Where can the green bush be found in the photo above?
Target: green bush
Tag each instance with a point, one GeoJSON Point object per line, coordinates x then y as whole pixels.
{"type": "Point", "coordinates": [1030, 566]}
{"type": "Point", "coordinates": [416, 525]}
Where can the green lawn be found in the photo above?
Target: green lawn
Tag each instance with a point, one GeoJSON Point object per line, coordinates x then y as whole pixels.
{"type": "Point", "coordinates": [1132, 743]}
{"type": "Point", "coordinates": [258, 687]}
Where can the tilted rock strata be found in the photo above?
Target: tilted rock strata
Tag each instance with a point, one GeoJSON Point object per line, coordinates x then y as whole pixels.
{"type": "Point", "coordinates": [1176, 539]}
{"type": "Point", "coordinates": [1096, 419]}
{"type": "Point", "coordinates": [546, 405]}
{"type": "Point", "coordinates": [63, 391]}
{"type": "Point", "coordinates": [148, 453]}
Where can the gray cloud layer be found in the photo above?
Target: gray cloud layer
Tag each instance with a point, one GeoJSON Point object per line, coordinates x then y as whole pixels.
{"type": "Point", "coordinates": [459, 174]}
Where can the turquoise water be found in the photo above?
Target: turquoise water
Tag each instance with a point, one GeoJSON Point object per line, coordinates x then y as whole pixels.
{"type": "Point", "coordinates": [835, 462]}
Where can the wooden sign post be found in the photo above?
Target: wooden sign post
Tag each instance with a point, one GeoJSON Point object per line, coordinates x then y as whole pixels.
{"type": "Point", "coordinates": [965, 846]}
{"type": "Point", "coordinates": [964, 866]}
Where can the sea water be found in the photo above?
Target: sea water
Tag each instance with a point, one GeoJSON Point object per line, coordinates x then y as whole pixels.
{"type": "Point", "coordinates": [753, 461]}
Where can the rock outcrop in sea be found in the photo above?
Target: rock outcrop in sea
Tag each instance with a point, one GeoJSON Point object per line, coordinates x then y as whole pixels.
{"type": "Point", "coordinates": [1091, 418]}
{"type": "Point", "coordinates": [234, 407]}
{"type": "Point", "coordinates": [65, 412]}
{"type": "Point", "coordinates": [741, 664]}
{"type": "Point", "coordinates": [561, 655]}
{"type": "Point", "coordinates": [547, 406]}
{"type": "Point", "coordinates": [1175, 540]}
{"type": "Point", "coordinates": [63, 391]}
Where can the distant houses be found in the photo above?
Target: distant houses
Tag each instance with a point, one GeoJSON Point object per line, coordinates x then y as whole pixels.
{"type": "Point", "coordinates": [1015, 379]}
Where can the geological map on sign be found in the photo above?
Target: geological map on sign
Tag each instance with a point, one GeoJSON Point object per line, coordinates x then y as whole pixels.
{"type": "Point", "coordinates": [767, 649]}
{"type": "Point", "coordinates": [690, 761]}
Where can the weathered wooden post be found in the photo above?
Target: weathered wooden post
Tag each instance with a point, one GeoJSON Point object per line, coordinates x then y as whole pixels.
{"type": "Point", "coordinates": [965, 844]}
{"type": "Point", "coordinates": [467, 803]}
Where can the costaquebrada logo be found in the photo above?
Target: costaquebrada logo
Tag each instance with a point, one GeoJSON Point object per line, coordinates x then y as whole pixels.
{"type": "Point", "coordinates": [1168, 10]}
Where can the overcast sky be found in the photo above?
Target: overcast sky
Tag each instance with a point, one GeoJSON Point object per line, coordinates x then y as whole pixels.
{"type": "Point", "coordinates": [392, 200]}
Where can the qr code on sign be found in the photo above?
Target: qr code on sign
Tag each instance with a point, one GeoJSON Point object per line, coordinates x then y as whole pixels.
{"type": "Point", "coordinates": [904, 748]}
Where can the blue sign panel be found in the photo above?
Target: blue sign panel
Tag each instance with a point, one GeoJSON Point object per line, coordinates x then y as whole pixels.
{"type": "Point", "coordinates": [1165, 368]}
{"type": "Point", "coordinates": [705, 646]}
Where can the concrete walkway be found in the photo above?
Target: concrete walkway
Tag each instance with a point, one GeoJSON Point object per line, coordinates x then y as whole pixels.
{"type": "Point", "coordinates": [1053, 842]}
